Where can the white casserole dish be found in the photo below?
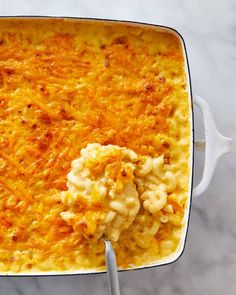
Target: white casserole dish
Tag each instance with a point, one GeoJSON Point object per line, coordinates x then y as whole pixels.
{"type": "Point", "coordinates": [215, 145]}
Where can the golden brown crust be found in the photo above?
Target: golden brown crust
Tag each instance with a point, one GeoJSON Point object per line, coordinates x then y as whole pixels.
{"type": "Point", "coordinates": [60, 89]}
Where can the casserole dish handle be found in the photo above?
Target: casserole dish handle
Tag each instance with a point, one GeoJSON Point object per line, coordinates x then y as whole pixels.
{"type": "Point", "coordinates": [215, 145]}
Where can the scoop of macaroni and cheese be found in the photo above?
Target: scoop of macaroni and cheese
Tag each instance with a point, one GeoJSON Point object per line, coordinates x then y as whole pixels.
{"type": "Point", "coordinates": [106, 185]}
{"type": "Point", "coordinates": [103, 178]}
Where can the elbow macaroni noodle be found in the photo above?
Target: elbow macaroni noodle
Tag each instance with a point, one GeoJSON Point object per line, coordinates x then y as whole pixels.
{"type": "Point", "coordinates": [154, 182]}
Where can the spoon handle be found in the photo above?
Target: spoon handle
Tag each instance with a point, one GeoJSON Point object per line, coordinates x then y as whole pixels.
{"type": "Point", "coordinates": [112, 273]}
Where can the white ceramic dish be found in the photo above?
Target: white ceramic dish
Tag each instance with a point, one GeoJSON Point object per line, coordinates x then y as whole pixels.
{"type": "Point", "coordinates": [214, 146]}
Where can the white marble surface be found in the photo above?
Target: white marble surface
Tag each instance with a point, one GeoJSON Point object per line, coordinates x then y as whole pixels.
{"type": "Point", "coordinates": [208, 265]}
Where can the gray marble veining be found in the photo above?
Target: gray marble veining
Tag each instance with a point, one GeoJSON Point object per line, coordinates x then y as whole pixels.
{"type": "Point", "coordinates": [208, 265]}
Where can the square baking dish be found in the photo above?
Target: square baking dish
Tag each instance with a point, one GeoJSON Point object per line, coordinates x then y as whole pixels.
{"type": "Point", "coordinates": [214, 145]}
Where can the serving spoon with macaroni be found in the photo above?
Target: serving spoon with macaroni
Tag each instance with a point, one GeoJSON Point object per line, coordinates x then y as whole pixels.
{"type": "Point", "coordinates": [105, 187]}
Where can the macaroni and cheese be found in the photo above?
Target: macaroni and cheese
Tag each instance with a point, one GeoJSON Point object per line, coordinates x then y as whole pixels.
{"type": "Point", "coordinates": [94, 141]}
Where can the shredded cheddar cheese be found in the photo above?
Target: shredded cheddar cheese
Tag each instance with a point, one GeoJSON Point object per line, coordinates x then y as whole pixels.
{"type": "Point", "coordinates": [63, 85]}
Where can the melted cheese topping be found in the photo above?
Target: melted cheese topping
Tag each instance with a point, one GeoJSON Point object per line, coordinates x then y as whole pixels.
{"type": "Point", "coordinates": [65, 84]}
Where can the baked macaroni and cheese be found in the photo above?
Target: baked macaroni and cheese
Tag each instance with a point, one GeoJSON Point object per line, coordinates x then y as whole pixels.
{"type": "Point", "coordinates": [94, 142]}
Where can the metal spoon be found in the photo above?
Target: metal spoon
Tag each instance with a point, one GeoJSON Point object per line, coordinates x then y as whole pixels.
{"type": "Point", "coordinates": [112, 273]}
